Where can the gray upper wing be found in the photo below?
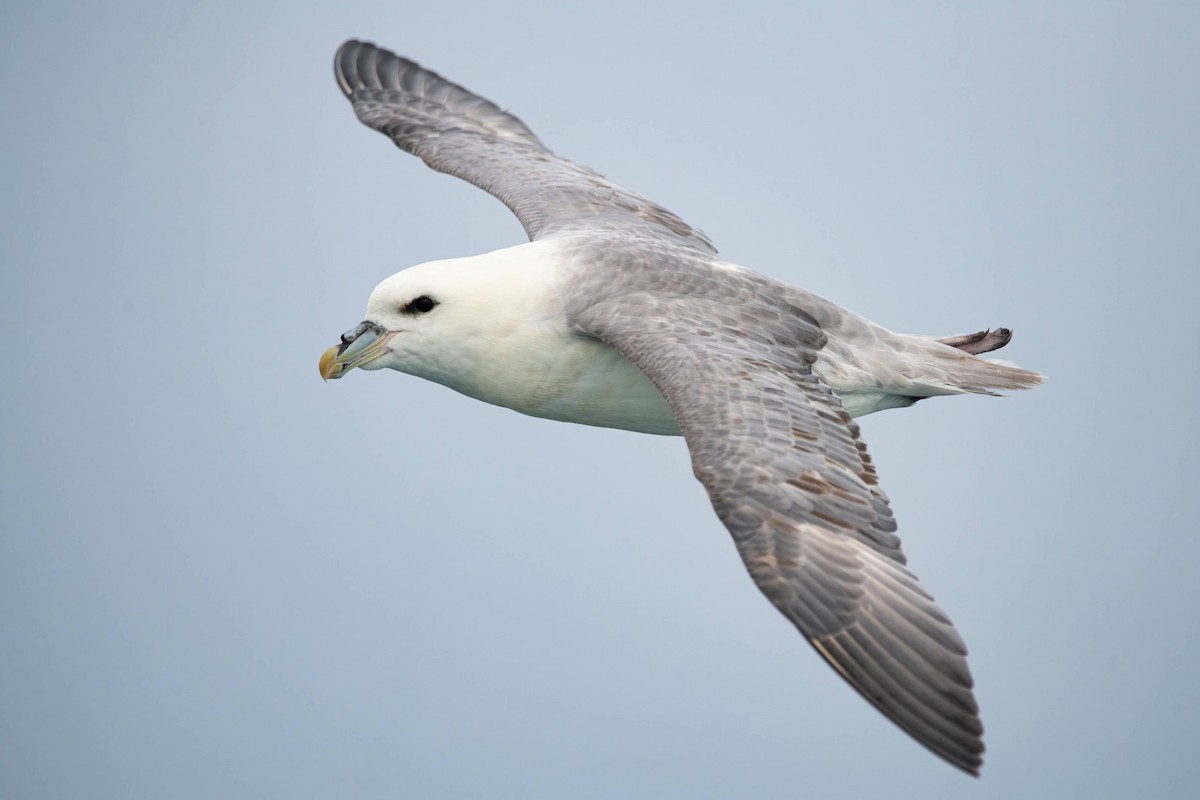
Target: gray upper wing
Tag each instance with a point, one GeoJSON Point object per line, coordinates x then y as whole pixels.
{"type": "Point", "coordinates": [789, 476]}
{"type": "Point", "coordinates": [457, 132]}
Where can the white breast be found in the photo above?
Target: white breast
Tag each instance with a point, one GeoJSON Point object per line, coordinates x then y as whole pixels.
{"type": "Point", "coordinates": [592, 384]}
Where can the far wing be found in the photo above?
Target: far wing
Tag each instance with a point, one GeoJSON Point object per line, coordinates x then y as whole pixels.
{"type": "Point", "coordinates": [457, 132]}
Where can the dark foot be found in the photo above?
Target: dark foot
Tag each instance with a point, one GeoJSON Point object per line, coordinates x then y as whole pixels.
{"type": "Point", "coordinates": [981, 341]}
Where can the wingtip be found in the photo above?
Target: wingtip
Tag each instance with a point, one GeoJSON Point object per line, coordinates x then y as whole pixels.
{"type": "Point", "coordinates": [343, 63]}
{"type": "Point", "coordinates": [348, 68]}
{"type": "Point", "coordinates": [970, 762]}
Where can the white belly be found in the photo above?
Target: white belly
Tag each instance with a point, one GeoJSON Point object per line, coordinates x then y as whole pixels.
{"type": "Point", "coordinates": [606, 389]}
{"type": "Point", "coordinates": [559, 375]}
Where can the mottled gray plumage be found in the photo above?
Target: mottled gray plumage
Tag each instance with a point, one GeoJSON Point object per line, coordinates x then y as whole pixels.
{"type": "Point", "coordinates": [758, 377]}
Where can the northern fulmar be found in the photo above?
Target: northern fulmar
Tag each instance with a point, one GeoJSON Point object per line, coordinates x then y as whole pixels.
{"type": "Point", "coordinates": [618, 313]}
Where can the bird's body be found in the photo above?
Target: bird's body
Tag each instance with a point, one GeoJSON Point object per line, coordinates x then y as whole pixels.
{"type": "Point", "coordinates": [523, 352]}
{"type": "Point", "coordinates": [619, 314]}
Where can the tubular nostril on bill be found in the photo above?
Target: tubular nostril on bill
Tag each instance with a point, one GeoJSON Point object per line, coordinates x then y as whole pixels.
{"type": "Point", "coordinates": [349, 336]}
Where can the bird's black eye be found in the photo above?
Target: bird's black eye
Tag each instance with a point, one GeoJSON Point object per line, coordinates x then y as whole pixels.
{"type": "Point", "coordinates": [422, 305]}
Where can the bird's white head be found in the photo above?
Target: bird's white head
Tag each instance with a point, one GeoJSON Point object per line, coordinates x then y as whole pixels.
{"type": "Point", "coordinates": [442, 319]}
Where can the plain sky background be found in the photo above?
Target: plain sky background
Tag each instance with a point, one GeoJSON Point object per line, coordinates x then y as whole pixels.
{"type": "Point", "coordinates": [220, 577]}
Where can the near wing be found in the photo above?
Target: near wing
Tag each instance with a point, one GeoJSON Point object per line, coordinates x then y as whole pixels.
{"type": "Point", "coordinates": [789, 476]}
{"type": "Point", "coordinates": [459, 133]}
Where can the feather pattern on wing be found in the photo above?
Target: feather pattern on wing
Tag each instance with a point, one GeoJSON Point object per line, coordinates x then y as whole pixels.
{"type": "Point", "coordinates": [791, 479]}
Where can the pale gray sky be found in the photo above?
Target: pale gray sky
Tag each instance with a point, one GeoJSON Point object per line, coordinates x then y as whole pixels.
{"type": "Point", "coordinates": [220, 577]}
